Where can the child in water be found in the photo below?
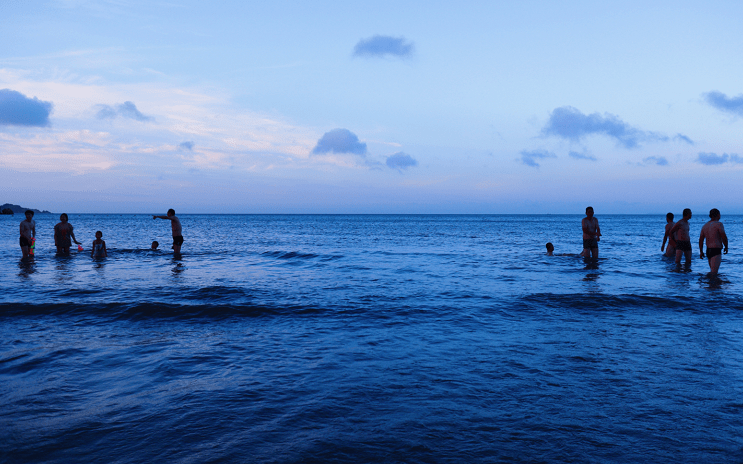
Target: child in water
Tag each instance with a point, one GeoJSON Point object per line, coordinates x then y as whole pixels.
{"type": "Point", "coordinates": [155, 244]}
{"type": "Point", "coordinates": [99, 246]}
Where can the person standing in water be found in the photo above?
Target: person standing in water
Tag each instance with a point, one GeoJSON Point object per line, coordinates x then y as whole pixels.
{"type": "Point", "coordinates": [28, 233]}
{"type": "Point", "coordinates": [98, 250]}
{"type": "Point", "coordinates": [591, 234]}
{"type": "Point", "coordinates": [63, 231]}
{"type": "Point", "coordinates": [715, 235]}
{"type": "Point", "coordinates": [683, 239]}
{"type": "Point", "coordinates": [671, 250]}
{"type": "Point", "coordinates": [175, 225]}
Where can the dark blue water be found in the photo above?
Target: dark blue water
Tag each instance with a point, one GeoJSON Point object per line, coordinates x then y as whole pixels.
{"type": "Point", "coordinates": [368, 339]}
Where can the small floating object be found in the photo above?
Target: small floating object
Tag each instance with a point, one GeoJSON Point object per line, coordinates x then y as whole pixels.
{"type": "Point", "coordinates": [79, 248]}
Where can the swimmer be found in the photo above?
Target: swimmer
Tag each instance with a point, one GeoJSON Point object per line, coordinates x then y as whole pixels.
{"type": "Point", "coordinates": [175, 225]}
{"type": "Point", "coordinates": [591, 234]}
{"type": "Point", "coordinates": [671, 250]}
{"type": "Point", "coordinates": [715, 235]}
{"type": "Point", "coordinates": [155, 244]}
{"type": "Point", "coordinates": [98, 250]}
{"type": "Point", "coordinates": [551, 251]}
{"type": "Point", "coordinates": [683, 239]}
{"type": "Point", "coordinates": [28, 232]}
{"type": "Point", "coordinates": [63, 231]}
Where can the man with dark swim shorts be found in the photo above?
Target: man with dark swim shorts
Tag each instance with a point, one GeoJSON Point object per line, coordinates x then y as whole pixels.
{"type": "Point", "coordinates": [683, 239]}
{"type": "Point", "coordinates": [715, 235]}
{"type": "Point", "coordinates": [591, 234]}
{"type": "Point", "coordinates": [28, 232]}
{"type": "Point", "coordinates": [175, 225]}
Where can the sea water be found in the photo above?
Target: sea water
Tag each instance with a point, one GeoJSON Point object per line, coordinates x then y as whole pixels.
{"type": "Point", "coordinates": [369, 339]}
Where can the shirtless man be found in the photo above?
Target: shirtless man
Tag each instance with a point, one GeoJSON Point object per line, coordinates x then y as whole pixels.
{"type": "Point", "coordinates": [714, 232]}
{"type": "Point", "coordinates": [591, 234]}
{"type": "Point", "coordinates": [28, 232]}
{"type": "Point", "coordinates": [683, 240]}
{"type": "Point", "coordinates": [175, 224]}
{"type": "Point", "coordinates": [63, 232]}
{"type": "Point", "coordinates": [671, 250]}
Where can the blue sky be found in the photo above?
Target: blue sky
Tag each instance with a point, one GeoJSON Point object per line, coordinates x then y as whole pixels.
{"type": "Point", "coordinates": [371, 107]}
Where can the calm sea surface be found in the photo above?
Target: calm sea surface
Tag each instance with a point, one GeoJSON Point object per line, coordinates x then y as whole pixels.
{"type": "Point", "coordinates": [369, 339]}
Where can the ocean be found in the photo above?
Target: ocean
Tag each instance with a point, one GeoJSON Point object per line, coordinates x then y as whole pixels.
{"type": "Point", "coordinates": [365, 338]}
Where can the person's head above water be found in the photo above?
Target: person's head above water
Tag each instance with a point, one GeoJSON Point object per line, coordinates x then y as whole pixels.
{"type": "Point", "coordinates": [714, 214]}
{"type": "Point", "coordinates": [687, 213]}
{"type": "Point", "coordinates": [99, 234]}
{"type": "Point", "coordinates": [589, 211]}
{"type": "Point", "coordinates": [29, 214]}
{"type": "Point", "coordinates": [155, 245]}
{"type": "Point", "coordinates": [669, 217]}
{"type": "Point", "coordinates": [63, 217]}
{"type": "Point", "coordinates": [171, 212]}
{"type": "Point", "coordinates": [550, 248]}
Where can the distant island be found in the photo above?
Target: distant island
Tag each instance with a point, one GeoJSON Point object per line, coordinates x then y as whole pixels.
{"type": "Point", "coordinates": [8, 208]}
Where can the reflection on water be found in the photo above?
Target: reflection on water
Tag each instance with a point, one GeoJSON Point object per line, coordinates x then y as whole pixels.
{"type": "Point", "coordinates": [26, 268]}
{"type": "Point", "coordinates": [178, 268]}
{"type": "Point", "coordinates": [716, 282]}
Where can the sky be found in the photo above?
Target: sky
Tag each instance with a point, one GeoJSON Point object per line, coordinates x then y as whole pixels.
{"type": "Point", "coordinates": [408, 107]}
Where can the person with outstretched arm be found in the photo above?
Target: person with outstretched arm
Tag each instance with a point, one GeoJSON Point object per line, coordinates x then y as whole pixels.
{"type": "Point", "coordinates": [175, 225]}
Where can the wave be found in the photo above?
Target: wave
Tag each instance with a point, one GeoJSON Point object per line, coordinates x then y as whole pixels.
{"type": "Point", "coordinates": [135, 311]}
{"type": "Point", "coordinates": [597, 301]}
{"type": "Point", "coordinates": [299, 255]}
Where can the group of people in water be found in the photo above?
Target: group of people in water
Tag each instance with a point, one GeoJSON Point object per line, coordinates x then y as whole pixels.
{"type": "Point", "coordinates": [679, 239]}
{"type": "Point", "coordinates": [677, 235]}
{"type": "Point", "coordinates": [64, 236]}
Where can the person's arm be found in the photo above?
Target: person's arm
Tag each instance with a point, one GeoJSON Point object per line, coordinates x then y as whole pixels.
{"type": "Point", "coordinates": [72, 234]}
{"type": "Point", "coordinates": [665, 237]}
{"type": "Point", "coordinates": [598, 229]}
{"type": "Point", "coordinates": [33, 228]}
{"type": "Point", "coordinates": [724, 238]}
{"type": "Point", "coordinates": [92, 249]}
{"type": "Point", "coordinates": [701, 243]}
{"type": "Point", "coordinates": [105, 252]}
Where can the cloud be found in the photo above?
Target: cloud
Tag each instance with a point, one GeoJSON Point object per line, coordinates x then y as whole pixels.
{"type": "Point", "coordinates": [380, 46]}
{"type": "Point", "coordinates": [581, 156]}
{"type": "Point", "coordinates": [529, 157]}
{"type": "Point", "coordinates": [657, 160]}
{"type": "Point", "coordinates": [721, 101]}
{"type": "Point", "coordinates": [569, 123]}
{"type": "Point", "coordinates": [126, 110]}
{"type": "Point", "coordinates": [683, 138]}
{"type": "Point", "coordinates": [339, 141]}
{"type": "Point", "coordinates": [186, 146]}
{"type": "Point", "coordinates": [712, 159]}
{"type": "Point", "coordinates": [401, 161]}
{"type": "Point", "coordinates": [18, 110]}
